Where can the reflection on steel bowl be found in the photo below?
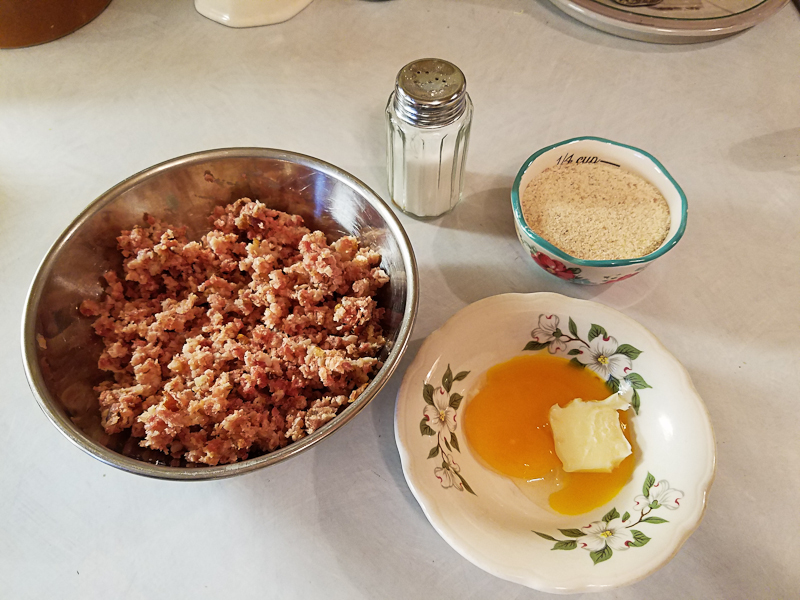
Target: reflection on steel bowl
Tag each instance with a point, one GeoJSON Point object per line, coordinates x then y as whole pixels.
{"type": "Point", "coordinates": [61, 350]}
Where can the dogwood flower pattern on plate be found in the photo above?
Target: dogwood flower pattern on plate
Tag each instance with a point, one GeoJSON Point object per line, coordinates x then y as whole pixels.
{"type": "Point", "coordinates": [600, 352]}
{"type": "Point", "coordinates": [601, 534]}
{"type": "Point", "coordinates": [548, 333]}
{"type": "Point", "coordinates": [602, 358]}
{"type": "Point", "coordinates": [439, 418]}
{"type": "Point", "coordinates": [615, 533]}
{"type": "Point", "coordinates": [660, 495]}
{"type": "Point", "coordinates": [440, 415]}
{"type": "Point", "coordinates": [448, 474]}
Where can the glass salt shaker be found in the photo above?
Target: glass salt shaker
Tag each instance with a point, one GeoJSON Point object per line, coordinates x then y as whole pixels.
{"type": "Point", "coordinates": [428, 120]}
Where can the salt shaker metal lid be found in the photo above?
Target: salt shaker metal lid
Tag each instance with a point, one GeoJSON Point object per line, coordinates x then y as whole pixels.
{"type": "Point", "coordinates": [430, 92]}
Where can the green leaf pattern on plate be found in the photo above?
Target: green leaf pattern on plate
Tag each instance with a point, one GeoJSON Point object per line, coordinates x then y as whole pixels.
{"type": "Point", "coordinates": [600, 352]}
{"type": "Point", "coordinates": [439, 419]}
{"type": "Point", "coordinates": [612, 533]}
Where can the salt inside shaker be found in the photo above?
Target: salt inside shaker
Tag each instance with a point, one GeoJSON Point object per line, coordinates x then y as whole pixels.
{"type": "Point", "coordinates": [428, 119]}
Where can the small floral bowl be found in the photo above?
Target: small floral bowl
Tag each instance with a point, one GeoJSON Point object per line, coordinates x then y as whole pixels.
{"type": "Point", "coordinates": [592, 150]}
{"type": "Point", "coordinates": [485, 517]}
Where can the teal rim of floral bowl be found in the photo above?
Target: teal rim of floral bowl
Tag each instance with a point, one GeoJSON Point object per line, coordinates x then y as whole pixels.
{"type": "Point", "coordinates": [517, 206]}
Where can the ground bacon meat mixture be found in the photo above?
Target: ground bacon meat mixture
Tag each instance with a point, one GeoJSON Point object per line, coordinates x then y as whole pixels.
{"type": "Point", "coordinates": [239, 343]}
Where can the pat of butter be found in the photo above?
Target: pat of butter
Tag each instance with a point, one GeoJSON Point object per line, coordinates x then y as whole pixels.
{"type": "Point", "coordinates": [588, 435]}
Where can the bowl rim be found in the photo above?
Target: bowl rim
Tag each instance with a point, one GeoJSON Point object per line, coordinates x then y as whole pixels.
{"type": "Point", "coordinates": [522, 224]}
{"type": "Point", "coordinates": [63, 423]}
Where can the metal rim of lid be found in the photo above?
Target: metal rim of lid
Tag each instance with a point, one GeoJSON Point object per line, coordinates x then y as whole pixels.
{"type": "Point", "coordinates": [430, 92]}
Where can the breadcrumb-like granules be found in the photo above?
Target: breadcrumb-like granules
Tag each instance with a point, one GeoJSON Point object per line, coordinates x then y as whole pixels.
{"type": "Point", "coordinates": [249, 339]}
{"type": "Point", "coordinates": [596, 211]}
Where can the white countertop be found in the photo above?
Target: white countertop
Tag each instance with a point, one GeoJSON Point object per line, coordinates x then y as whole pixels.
{"type": "Point", "coordinates": [149, 80]}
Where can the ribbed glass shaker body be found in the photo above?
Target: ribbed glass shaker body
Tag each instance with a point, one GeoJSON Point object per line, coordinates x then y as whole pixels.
{"type": "Point", "coordinates": [428, 120]}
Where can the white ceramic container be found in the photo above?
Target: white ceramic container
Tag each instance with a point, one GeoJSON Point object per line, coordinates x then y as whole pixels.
{"type": "Point", "coordinates": [250, 13]}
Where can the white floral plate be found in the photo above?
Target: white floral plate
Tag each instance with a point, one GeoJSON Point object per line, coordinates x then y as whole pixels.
{"type": "Point", "coordinates": [485, 517]}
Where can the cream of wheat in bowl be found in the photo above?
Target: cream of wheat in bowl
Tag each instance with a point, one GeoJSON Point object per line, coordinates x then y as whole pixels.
{"type": "Point", "coordinates": [593, 211]}
{"type": "Point", "coordinates": [596, 211]}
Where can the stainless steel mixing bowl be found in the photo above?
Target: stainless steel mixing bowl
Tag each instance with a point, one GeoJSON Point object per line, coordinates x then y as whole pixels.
{"type": "Point", "coordinates": [61, 351]}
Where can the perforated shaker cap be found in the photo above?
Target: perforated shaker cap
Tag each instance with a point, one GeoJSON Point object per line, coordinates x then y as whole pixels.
{"type": "Point", "coordinates": [430, 92]}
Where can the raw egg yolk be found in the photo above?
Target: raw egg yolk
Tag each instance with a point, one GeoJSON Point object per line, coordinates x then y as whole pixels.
{"type": "Point", "coordinates": [507, 425]}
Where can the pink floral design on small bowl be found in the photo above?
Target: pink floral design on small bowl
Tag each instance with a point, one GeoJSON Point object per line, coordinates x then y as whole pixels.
{"type": "Point", "coordinates": [554, 267]}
